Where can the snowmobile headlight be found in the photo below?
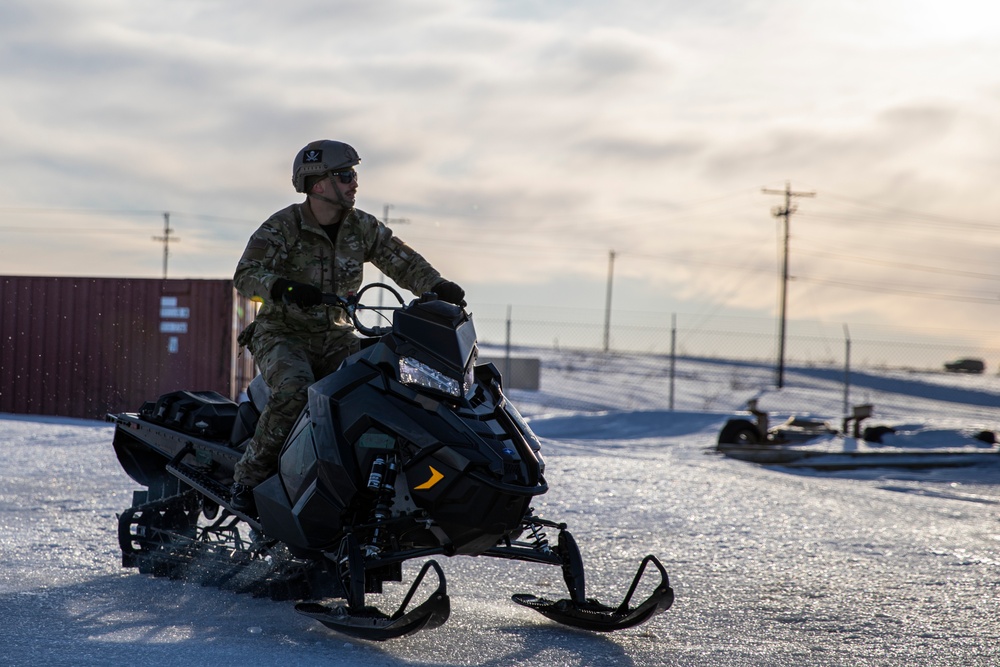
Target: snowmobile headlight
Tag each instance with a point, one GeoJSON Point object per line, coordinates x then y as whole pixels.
{"type": "Point", "coordinates": [418, 373]}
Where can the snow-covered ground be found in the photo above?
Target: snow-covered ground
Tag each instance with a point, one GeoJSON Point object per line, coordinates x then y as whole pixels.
{"type": "Point", "coordinates": [771, 566]}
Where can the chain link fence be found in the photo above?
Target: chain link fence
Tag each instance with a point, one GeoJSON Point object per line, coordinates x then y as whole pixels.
{"type": "Point", "coordinates": [743, 352]}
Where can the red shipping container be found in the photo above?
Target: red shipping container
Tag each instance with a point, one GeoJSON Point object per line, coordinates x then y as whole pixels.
{"type": "Point", "coordinates": [83, 347]}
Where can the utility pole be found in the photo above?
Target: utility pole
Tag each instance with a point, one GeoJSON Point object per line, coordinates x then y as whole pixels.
{"type": "Point", "coordinates": [785, 213]}
{"type": "Point", "coordinates": [847, 369]}
{"type": "Point", "coordinates": [607, 301]}
{"type": "Point", "coordinates": [166, 240]}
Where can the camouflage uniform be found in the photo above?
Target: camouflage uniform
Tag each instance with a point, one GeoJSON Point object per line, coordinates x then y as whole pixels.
{"type": "Point", "coordinates": [295, 346]}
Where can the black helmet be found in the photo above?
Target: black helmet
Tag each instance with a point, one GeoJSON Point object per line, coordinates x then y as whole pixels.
{"type": "Point", "coordinates": [319, 157]}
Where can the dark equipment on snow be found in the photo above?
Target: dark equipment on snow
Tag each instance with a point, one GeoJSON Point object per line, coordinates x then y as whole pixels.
{"type": "Point", "coordinates": [409, 450]}
{"type": "Point", "coordinates": [795, 430]}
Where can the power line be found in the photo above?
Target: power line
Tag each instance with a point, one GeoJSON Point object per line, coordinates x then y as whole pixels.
{"type": "Point", "coordinates": [909, 222]}
{"type": "Point", "coordinates": [930, 217]}
{"type": "Point", "coordinates": [914, 292]}
{"type": "Point", "coordinates": [870, 212]}
{"type": "Point", "coordinates": [67, 230]}
{"type": "Point", "coordinates": [120, 212]}
{"type": "Point", "coordinates": [77, 211]}
{"type": "Point", "coordinates": [902, 265]}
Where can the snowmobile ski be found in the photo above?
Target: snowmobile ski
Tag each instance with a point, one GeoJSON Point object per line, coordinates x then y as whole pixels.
{"type": "Point", "coordinates": [589, 614]}
{"type": "Point", "coordinates": [372, 624]}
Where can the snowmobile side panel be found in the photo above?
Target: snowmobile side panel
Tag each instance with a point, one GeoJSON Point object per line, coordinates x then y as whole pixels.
{"type": "Point", "coordinates": [139, 461]}
{"type": "Point", "coordinates": [275, 514]}
{"type": "Point", "coordinates": [138, 438]}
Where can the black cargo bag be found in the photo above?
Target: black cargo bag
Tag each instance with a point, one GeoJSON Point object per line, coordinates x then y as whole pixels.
{"type": "Point", "coordinates": [208, 414]}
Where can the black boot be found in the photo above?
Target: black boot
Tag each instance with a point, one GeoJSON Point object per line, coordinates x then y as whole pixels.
{"type": "Point", "coordinates": [242, 499]}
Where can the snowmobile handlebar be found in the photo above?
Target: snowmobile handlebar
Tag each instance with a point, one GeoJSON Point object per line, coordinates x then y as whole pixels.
{"type": "Point", "coordinates": [352, 304]}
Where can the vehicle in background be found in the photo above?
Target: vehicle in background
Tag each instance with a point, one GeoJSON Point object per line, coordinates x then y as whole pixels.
{"type": "Point", "coordinates": [965, 366]}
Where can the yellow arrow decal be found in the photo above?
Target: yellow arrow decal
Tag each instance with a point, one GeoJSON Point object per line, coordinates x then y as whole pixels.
{"type": "Point", "coordinates": [435, 478]}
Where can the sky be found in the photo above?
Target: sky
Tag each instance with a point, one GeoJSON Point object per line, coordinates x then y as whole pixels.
{"type": "Point", "coordinates": [520, 143]}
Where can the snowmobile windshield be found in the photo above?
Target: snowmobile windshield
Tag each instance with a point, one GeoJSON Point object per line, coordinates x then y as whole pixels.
{"type": "Point", "coordinates": [437, 334]}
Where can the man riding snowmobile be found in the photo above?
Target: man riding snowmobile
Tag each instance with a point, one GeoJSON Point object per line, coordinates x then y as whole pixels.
{"type": "Point", "coordinates": [300, 252]}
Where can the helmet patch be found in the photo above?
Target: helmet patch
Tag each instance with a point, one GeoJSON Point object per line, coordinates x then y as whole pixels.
{"type": "Point", "coordinates": [312, 156]}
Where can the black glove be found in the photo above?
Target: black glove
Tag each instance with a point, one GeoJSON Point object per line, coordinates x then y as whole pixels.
{"type": "Point", "coordinates": [450, 292]}
{"type": "Point", "coordinates": [299, 294]}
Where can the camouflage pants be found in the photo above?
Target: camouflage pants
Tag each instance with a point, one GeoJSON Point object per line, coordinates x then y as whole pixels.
{"type": "Point", "coordinates": [289, 365]}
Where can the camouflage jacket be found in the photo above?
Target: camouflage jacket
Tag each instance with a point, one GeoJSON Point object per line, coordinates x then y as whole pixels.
{"type": "Point", "coordinates": [291, 244]}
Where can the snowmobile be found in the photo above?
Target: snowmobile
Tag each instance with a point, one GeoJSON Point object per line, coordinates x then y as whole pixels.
{"type": "Point", "coordinates": [409, 450]}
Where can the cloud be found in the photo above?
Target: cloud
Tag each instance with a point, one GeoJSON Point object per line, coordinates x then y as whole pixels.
{"type": "Point", "coordinates": [601, 60]}
{"type": "Point", "coordinates": [531, 138]}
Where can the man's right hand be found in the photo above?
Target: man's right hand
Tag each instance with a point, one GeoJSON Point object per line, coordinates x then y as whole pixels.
{"type": "Point", "coordinates": [450, 292]}
{"type": "Point", "coordinates": [299, 294]}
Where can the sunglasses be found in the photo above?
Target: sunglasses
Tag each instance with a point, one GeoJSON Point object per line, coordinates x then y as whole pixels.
{"type": "Point", "coordinates": [345, 177]}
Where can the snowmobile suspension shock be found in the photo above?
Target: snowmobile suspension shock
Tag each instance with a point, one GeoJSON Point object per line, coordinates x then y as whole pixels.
{"type": "Point", "coordinates": [381, 481]}
{"type": "Point", "coordinates": [540, 538]}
